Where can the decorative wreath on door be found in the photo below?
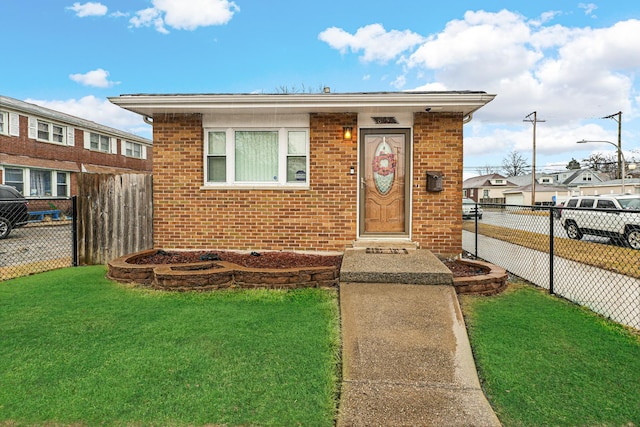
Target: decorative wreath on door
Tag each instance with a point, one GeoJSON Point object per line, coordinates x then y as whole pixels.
{"type": "Point", "coordinates": [384, 164]}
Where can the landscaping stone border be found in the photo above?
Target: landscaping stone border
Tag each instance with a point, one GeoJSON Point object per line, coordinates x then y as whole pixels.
{"type": "Point", "coordinates": [210, 275]}
{"type": "Point", "coordinates": [492, 282]}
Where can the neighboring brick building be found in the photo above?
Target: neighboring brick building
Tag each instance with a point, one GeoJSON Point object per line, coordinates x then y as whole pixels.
{"type": "Point", "coordinates": [41, 150]}
{"type": "Point", "coordinates": [307, 171]}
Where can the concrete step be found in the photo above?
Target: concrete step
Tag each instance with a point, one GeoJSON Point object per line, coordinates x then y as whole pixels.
{"type": "Point", "coordinates": [393, 265]}
{"type": "Point", "coordinates": [385, 243]}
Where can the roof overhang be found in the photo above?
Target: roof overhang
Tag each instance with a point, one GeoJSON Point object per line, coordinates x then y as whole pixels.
{"type": "Point", "coordinates": [464, 102]}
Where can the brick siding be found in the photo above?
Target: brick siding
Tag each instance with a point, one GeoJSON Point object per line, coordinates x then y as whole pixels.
{"type": "Point", "coordinates": [437, 216]}
{"type": "Point", "coordinates": [42, 153]}
{"type": "Point", "coordinates": [323, 217]}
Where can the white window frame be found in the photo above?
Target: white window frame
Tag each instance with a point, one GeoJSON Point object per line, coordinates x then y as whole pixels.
{"type": "Point", "coordinates": [22, 182]}
{"type": "Point", "coordinates": [26, 182]}
{"type": "Point", "coordinates": [66, 132]}
{"type": "Point", "coordinates": [129, 146]}
{"type": "Point", "coordinates": [4, 122]}
{"type": "Point", "coordinates": [280, 183]}
{"type": "Point", "coordinates": [50, 132]}
{"type": "Point", "coordinates": [102, 138]}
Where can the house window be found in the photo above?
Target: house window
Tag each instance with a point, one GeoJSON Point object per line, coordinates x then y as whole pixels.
{"type": "Point", "coordinates": [133, 149]}
{"type": "Point", "coordinates": [15, 178]}
{"type": "Point", "coordinates": [39, 182]}
{"type": "Point", "coordinates": [51, 132]}
{"type": "Point", "coordinates": [485, 194]}
{"type": "Point", "coordinates": [262, 157]}
{"type": "Point", "coordinates": [586, 177]}
{"type": "Point", "coordinates": [62, 184]}
{"type": "Point", "coordinates": [256, 154]}
{"type": "Point", "coordinates": [100, 142]}
{"type": "Point", "coordinates": [217, 157]}
{"type": "Point", "coordinates": [297, 156]}
{"type": "Point", "coordinates": [4, 123]}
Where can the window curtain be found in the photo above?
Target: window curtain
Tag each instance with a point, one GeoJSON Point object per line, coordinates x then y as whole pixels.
{"type": "Point", "coordinates": [256, 156]}
{"type": "Point", "coordinates": [40, 183]}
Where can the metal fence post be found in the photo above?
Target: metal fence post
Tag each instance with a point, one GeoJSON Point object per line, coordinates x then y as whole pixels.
{"type": "Point", "coordinates": [551, 234]}
{"type": "Point", "coordinates": [476, 234]}
{"type": "Point", "coordinates": [74, 230]}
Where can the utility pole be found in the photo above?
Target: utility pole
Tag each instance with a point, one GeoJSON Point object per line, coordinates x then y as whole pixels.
{"type": "Point", "coordinates": [533, 120]}
{"type": "Point", "coordinates": [619, 120]}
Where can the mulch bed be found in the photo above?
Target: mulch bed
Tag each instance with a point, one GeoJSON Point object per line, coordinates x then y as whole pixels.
{"type": "Point", "coordinates": [461, 269]}
{"type": "Point", "coordinates": [253, 259]}
{"type": "Point", "coordinates": [275, 260]}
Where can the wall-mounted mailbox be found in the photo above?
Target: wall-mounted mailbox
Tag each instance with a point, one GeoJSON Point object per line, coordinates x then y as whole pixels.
{"type": "Point", "coordinates": [434, 181]}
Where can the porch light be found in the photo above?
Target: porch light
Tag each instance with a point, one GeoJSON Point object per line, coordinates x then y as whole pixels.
{"type": "Point", "coordinates": [347, 132]}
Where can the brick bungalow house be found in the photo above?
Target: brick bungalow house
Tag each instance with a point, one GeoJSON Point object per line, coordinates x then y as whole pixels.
{"type": "Point", "coordinates": [487, 188]}
{"type": "Point", "coordinates": [307, 171]}
{"type": "Point", "coordinates": [42, 150]}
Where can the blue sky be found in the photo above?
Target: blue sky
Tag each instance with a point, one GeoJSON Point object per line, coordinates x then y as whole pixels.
{"type": "Point", "coordinates": [572, 62]}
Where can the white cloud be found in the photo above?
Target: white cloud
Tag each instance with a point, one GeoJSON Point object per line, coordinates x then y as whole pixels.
{"type": "Point", "coordinates": [95, 78]}
{"type": "Point", "coordinates": [183, 15]}
{"type": "Point", "coordinates": [100, 111]}
{"type": "Point", "coordinates": [376, 43]}
{"type": "Point", "coordinates": [148, 17]}
{"type": "Point", "coordinates": [83, 10]}
{"type": "Point", "coordinates": [568, 74]}
{"type": "Point", "coordinates": [589, 8]}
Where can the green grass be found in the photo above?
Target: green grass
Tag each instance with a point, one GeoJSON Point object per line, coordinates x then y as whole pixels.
{"type": "Point", "coordinates": [78, 349]}
{"type": "Point", "coordinates": [546, 362]}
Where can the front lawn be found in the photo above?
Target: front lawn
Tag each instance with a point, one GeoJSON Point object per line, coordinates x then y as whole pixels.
{"type": "Point", "coordinates": [79, 349]}
{"type": "Point", "coordinates": [544, 361]}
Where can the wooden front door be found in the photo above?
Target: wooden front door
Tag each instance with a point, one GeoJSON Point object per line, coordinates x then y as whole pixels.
{"type": "Point", "coordinates": [383, 186]}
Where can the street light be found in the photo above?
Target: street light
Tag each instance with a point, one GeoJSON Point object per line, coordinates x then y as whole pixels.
{"type": "Point", "coordinates": [622, 171]}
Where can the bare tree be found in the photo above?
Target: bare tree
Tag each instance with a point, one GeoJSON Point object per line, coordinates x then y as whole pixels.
{"type": "Point", "coordinates": [514, 164]}
{"type": "Point", "coordinates": [605, 163]}
{"type": "Point", "coordinates": [487, 170]}
{"type": "Point", "coordinates": [282, 89]}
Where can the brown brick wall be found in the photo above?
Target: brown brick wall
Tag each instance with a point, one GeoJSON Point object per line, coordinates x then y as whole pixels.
{"type": "Point", "coordinates": [323, 217]}
{"type": "Point", "coordinates": [23, 146]}
{"type": "Point", "coordinates": [320, 218]}
{"type": "Point", "coordinates": [437, 217]}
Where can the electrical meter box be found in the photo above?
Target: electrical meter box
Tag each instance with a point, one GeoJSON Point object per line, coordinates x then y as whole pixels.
{"type": "Point", "coordinates": [434, 181]}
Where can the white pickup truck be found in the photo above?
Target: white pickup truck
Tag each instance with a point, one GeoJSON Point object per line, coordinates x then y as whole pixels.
{"type": "Point", "coordinates": [617, 217]}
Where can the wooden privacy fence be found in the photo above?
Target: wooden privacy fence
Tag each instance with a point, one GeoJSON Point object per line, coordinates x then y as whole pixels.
{"type": "Point", "coordinates": [115, 216]}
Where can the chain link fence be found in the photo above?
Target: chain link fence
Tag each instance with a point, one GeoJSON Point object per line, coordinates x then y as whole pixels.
{"type": "Point", "coordinates": [42, 240]}
{"type": "Point", "coordinates": [586, 253]}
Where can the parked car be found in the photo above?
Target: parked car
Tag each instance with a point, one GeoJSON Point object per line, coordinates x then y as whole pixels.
{"type": "Point", "coordinates": [557, 212]}
{"type": "Point", "coordinates": [13, 210]}
{"type": "Point", "coordinates": [604, 216]}
{"type": "Point", "coordinates": [470, 209]}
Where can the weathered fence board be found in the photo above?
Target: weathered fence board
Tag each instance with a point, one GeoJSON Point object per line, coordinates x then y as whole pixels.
{"type": "Point", "coordinates": [115, 216]}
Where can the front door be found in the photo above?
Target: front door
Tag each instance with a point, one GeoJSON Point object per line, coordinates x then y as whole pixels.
{"type": "Point", "coordinates": [383, 186]}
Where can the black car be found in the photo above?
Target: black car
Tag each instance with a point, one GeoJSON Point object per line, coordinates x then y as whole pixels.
{"type": "Point", "coordinates": [13, 210]}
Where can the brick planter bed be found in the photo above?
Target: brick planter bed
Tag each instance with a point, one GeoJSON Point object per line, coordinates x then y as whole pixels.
{"type": "Point", "coordinates": [210, 275]}
{"type": "Point", "coordinates": [491, 281]}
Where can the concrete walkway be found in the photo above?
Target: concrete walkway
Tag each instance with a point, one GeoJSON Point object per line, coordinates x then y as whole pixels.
{"type": "Point", "coordinates": [406, 355]}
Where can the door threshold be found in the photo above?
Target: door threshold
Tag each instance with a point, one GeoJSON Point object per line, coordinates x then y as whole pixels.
{"type": "Point", "coordinates": [385, 242]}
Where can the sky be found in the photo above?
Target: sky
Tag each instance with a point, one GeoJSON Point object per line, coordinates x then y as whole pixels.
{"type": "Point", "coordinates": [572, 63]}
